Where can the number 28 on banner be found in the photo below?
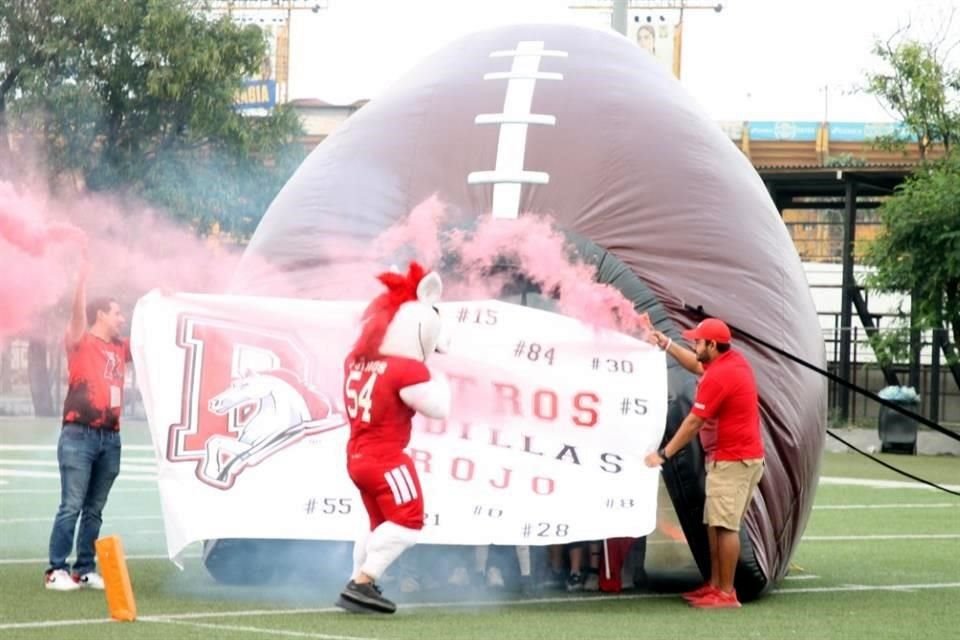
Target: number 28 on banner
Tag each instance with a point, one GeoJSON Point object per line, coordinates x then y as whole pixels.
{"type": "Point", "coordinates": [546, 530]}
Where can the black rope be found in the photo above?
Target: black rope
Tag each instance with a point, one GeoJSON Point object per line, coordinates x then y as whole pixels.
{"type": "Point", "coordinates": [887, 403]}
{"type": "Point", "coordinates": [832, 376]}
{"type": "Point", "coordinates": [891, 467]}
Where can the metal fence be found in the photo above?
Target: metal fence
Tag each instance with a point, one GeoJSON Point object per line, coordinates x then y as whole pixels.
{"type": "Point", "coordinates": [938, 391]}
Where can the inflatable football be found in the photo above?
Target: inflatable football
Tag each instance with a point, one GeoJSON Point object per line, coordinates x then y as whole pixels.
{"type": "Point", "coordinates": [584, 127]}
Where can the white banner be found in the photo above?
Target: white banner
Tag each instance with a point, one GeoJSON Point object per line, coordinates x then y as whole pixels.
{"type": "Point", "coordinates": [551, 420]}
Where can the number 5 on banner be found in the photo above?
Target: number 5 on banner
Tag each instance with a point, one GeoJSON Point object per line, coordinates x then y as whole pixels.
{"type": "Point", "coordinates": [363, 400]}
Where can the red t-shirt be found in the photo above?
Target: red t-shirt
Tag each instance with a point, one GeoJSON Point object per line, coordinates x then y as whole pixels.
{"type": "Point", "coordinates": [727, 400]}
{"type": "Point", "coordinates": [95, 388]}
{"type": "Point", "coordinates": [380, 422]}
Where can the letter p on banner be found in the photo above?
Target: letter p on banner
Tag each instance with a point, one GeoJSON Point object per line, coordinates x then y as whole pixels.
{"type": "Point", "coordinates": [116, 579]}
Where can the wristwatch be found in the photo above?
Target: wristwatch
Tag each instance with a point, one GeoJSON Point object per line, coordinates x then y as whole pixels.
{"type": "Point", "coordinates": [662, 452]}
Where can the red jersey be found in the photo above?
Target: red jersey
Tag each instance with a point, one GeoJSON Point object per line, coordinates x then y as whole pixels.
{"type": "Point", "coordinates": [95, 388]}
{"type": "Point", "coordinates": [380, 422]}
{"type": "Point", "coordinates": [727, 400]}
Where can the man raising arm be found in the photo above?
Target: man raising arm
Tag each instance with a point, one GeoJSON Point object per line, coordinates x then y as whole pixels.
{"type": "Point", "coordinates": [88, 451]}
{"type": "Point", "coordinates": [727, 401]}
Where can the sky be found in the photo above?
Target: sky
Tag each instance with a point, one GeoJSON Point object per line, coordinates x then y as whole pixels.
{"type": "Point", "coordinates": [754, 60]}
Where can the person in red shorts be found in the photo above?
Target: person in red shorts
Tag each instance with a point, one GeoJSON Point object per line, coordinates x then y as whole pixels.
{"type": "Point", "coordinates": [726, 414]}
{"type": "Point", "coordinates": [386, 382]}
{"type": "Point", "coordinates": [88, 451]}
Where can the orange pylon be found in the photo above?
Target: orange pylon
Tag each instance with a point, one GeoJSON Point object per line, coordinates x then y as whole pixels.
{"type": "Point", "coordinates": [116, 579]}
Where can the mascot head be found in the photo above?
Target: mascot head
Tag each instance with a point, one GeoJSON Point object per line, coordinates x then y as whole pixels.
{"type": "Point", "coordinates": [402, 321]}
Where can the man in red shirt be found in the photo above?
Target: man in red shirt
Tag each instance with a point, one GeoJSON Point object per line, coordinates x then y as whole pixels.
{"type": "Point", "coordinates": [386, 382]}
{"type": "Point", "coordinates": [89, 447]}
{"type": "Point", "coordinates": [726, 414]}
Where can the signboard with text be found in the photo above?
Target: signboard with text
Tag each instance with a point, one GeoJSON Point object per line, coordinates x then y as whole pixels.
{"type": "Point", "coordinates": [551, 420]}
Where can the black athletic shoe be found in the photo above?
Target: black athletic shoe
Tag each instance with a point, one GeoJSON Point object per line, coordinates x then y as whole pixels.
{"type": "Point", "coordinates": [528, 589]}
{"type": "Point", "coordinates": [575, 582]}
{"type": "Point", "coordinates": [367, 596]}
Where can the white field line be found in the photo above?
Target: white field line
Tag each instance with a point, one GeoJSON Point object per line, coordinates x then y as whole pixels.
{"type": "Point", "coordinates": [891, 505]}
{"type": "Point", "coordinates": [53, 447]}
{"type": "Point", "coordinates": [259, 630]}
{"type": "Point", "coordinates": [882, 484]}
{"type": "Point", "coordinates": [56, 490]}
{"type": "Point", "coordinates": [870, 587]}
{"type": "Point", "coordinates": [50, 519]}
{"type": "Point", "coordinates": [137, 556]}
{"type": "Point", "coordinates": [892, 536]}
{"type": "Point", "coordinates": [897, 505]}
{"type": "Point", "coordinates": [932, 536]}
{"type": "Point", "coordinates": [16, 473]}
{"type": "Point", "coordinates": [125, 465]}
{"type": "Point", "coordinates": [200, 615]}
{"type": "Point", "coordinates": [802, 576]}
{"type": "Point", "coordinates": [55, 475]}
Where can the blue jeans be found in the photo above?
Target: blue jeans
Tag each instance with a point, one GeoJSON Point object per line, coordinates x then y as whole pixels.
{"type": "Point", "coordinates": [89, 463]}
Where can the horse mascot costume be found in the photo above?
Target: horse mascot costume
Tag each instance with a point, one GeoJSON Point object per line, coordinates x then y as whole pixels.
{"type": "Point", "coordinates": [386, 382]}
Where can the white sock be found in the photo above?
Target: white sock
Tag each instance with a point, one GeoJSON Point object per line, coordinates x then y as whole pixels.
{"type": "Point", "coordinates": [360, 553]}
{"type": "Point", "coordinates": [523, 559]}
{"type": "Point", "coordinates": [385, 545]}
{"type": "Point", "coordinates": [480, 555]}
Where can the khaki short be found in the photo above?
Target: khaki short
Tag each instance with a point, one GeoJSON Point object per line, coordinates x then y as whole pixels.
{"type": "Point", "coordinates": [730, 485]}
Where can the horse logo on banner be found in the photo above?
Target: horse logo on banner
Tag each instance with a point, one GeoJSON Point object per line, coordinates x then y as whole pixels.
{"type": "Point", "coordinates": [244, 399]}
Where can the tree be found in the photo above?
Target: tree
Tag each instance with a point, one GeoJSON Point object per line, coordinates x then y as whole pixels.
{"type": "Point", "coordinates": [919, 88]}
{"type": "Point", "coordinates": [26, 48]}
{"type": "Point", "coordinates": [137, 97]}
{"type": "Point", "coordinates": [918, 250]}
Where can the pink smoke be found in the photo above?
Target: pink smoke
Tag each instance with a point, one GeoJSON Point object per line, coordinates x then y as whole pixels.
{"type": "Point", "coordinates": [421, 229]}
{"type": "Point", "coordinates": [134, 249]}
{"type": "Point", "coordinates": [35, 253]}
{"type": "Point", "coordinates": [35, 240]}
{"type": "Point", "coordinates": [530, 243]}
{"type": "Point", "coordinates": [431, 233]}
{"type": "Point", "coordinates": [131, 250]}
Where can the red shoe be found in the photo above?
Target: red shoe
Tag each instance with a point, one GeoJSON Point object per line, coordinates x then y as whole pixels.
{"type": "Point", "coordinates": [717, 600]}
{"type": "Point", "coordinates": [699, 592]}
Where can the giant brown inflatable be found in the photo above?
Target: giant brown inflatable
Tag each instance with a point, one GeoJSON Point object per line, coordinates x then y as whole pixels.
{"type": "Point", "coordinates": [583, 126]}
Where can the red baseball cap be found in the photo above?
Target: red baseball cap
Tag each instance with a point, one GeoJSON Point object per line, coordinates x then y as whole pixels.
{"type": "Point", "coordinates": [709, 329]}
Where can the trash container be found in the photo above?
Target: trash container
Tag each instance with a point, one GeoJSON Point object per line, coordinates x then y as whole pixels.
{"type": "Point", "coordinates": [898, 433]}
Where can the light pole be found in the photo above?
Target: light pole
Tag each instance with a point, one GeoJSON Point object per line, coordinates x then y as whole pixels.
{"type": "Point", "coordinates": [234, 7]}
{"type": "Point", "coordinates": [618, 19]}
{"type": "Point", "coordinates": [826, 102]}
{"type": "Point", "coordinates": [620, 8]}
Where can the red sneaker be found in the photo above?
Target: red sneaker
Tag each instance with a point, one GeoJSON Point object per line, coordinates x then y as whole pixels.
{"type": "Point", "coordinates": [699, 592]}
{"type": "Point", "coordinates": [717, 600]}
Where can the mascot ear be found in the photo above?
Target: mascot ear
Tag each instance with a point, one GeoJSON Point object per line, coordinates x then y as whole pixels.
{"type": "Point", "coordinates": [430, 288]}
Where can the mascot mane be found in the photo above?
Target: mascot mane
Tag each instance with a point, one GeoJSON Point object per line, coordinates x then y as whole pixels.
{"type": "Point", "coordinates": [379, 314]}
